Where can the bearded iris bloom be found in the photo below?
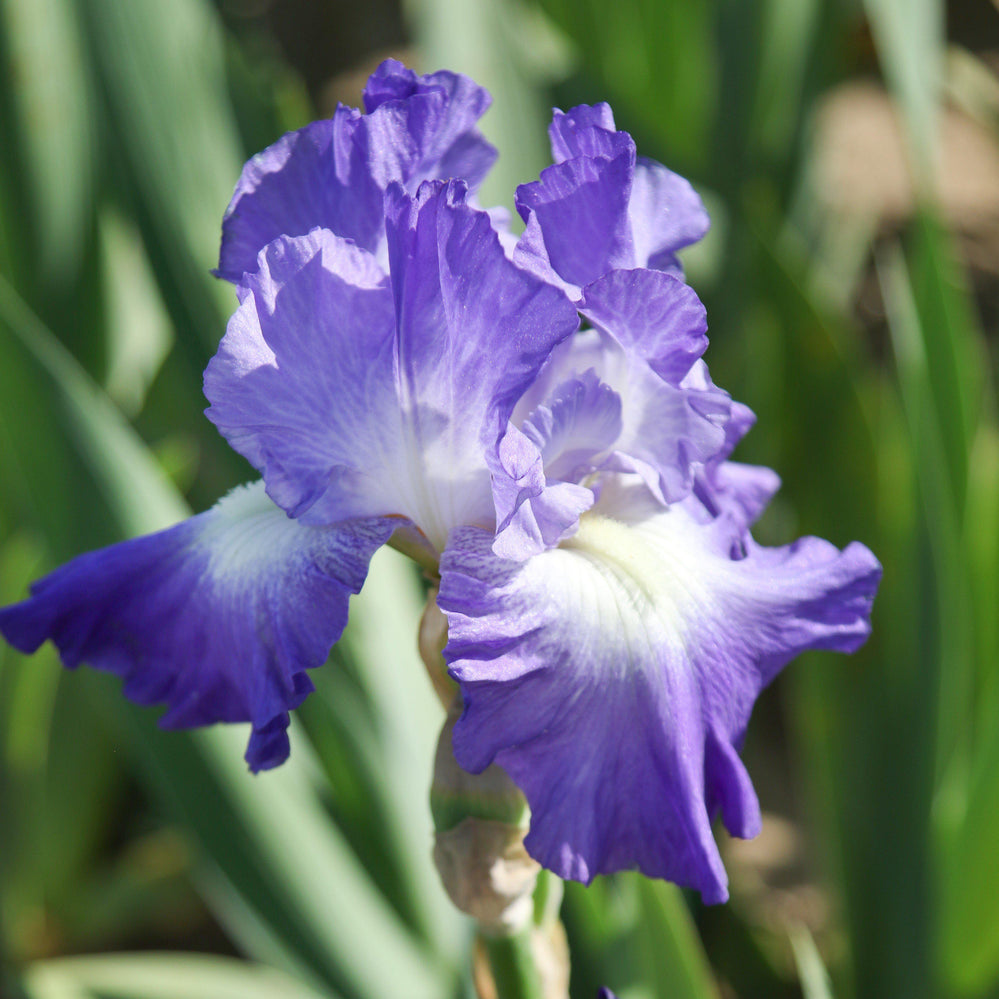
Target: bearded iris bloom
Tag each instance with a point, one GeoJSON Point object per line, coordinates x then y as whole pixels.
{"type": "Point", "coordinates": [531, 418]}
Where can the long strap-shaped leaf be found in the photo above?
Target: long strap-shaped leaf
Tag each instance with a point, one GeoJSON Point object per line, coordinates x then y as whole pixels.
{"type": "Point", "coordinates": [268, 836]}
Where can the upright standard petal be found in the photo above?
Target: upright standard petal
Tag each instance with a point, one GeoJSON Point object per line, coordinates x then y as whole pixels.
{"type": "Point", "coordinates": [333, 173]}
{"type": "Point", "coordinates": [473, 332]}
{"type": "Point", "coordinates": [303, 383]}
{"type": "Point", "coordinates": [355, 398]}
{"type": "Point", "coordinates": [218, 617]}
{"type": "Point", "coordinates": [587, 130]}
{"type": "Point", "coordinates": [576, 220]}
{"type": "Point", "coordinates": [449, 144]}
{"type": "Point", "coordinates": [600, 207]}
{"type": "Point", "coordinates": [613, 677]}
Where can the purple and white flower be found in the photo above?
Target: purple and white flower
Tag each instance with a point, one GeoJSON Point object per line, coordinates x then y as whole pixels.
{"type": "Point", "coordinates": [390, 370]}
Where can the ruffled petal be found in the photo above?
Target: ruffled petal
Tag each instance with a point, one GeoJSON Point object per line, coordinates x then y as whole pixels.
{"type": "Point", "coordinates": [473, 332]}
{"type": "Point", "coordinates": [333, 174]}
{"type": "Point", "coordinates": [533, 511]}
{"type": "Point", "coordinates": [581, 422]}
{"type": "Point", "coordinates": [538, 501]}
{"type": "Point", "coordinates": [737, 491]}
{"type": "Point", "coordinates": [653, 315]}
{"type": "Point", "coordinates": [669, 430]}
{"type": "Point", "coordinates": [613, 677]}
{"type": "Point", "coordinates": [576, 217]}
{"type": "Point", "coordinates": [293, 186]}
{"type": "Point", "coordinates": [357, 398]}
{"type": "Point", "coordinates": [303, 383]}
{"type": "Point", "coordinates": [600, 207]}
{"type": "Point", "coordinates": [218, 617]}
{"type": "Point", "coordinates": [587, 130]}
{"type": "Point", "coordinates": [449, 144]}
{"type": "Point", "coordinates": [666, 214]}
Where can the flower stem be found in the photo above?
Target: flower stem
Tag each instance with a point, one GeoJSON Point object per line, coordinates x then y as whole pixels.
{"type": "Point", "coordinates": [513, 967]}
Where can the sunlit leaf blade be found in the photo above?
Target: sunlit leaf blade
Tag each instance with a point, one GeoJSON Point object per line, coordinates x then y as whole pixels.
{"type": "Point", "coordinates": [303, 857]}
{"type": "Point", "coordinates": [968, 807]}
{"type": "Point", "coordinates": [812, 972]}
{"type": "Point", "coordinates": [636, 937]}
{"type": "Point", "coordinates": [969, 882]}
{"type": "Point", "coordinates": [138, 494]}
{"type": "Point", "coordinates": [52, 92]}
{"type": "Point", "coordinates": [161, 976]}
{"type": "Point", "coordinates": [672, 953]}
{"type": "Point", "coordinates": [928, 424]}
{"type": "Point", "coordinates": [27, 697]}
{"type": "Point", "coordinates": [967, 814]}
{"type": "Point", "coordinates": [139, 331]}
{"type": "Point", "coordinates": [909, 35]}
{"type": "Point", "coordinates": [655, 62]}
{"type": "Point", "coordinates": [848, 713]}
{"type": "Point", "coordinates": [952, 344]}
{"type": "Point", "coordinates": [165, 84]}
{"type": "Point", "coordinates": [786, 43]}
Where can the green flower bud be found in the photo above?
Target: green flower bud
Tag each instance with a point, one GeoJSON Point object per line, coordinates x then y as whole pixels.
{"type": "Point", "coordinates": [481, 821]}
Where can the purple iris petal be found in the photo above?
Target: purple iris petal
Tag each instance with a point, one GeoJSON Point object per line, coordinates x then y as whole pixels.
{"type": "Point", "coordinates": [356, 397]}
{"type": "Point", "coordinates": [641, 362]}
{"type": "Point", "coordinates": [533, 511]}
{"type": "Point", "coordinates": [576, 217]}
{"type": "Point", "coordinates": [666, 214]}
{"type": "Point", "coordinates": [670, 432]}
{"type": "Point", "coordinates": [451, 145]}
{"type": "Point", "coordinates": [473, 332]}
{"type": "Point", "coordinates": [305, 360]}
{"type": "Point", "coordinates": [587, 130]}
{"type": "Point", "coordinates": [333, 174]}
{"type": "Point", "coordinates": [582, 420]}
{"type": "Point", "coordinates": [538, 503]}
{"type": "Point", "coordinates": [398, 360]}
{"type": "Point", "coordinates": [739, 491]}
{"type": "Point", "coordinates": [600, 207]}
{"type": "Point", "coordinates": [675, 419]}
{"type": "Point", "coordinates": [218, 617]}
{"type": "Point", "coordinates": [613, 677]}
{"type": "Point", "coordinates": [652, 315]}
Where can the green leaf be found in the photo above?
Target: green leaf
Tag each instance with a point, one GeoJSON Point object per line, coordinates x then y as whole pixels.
{"type": "Point", "coordinates": [656, 62]}
{"type": "Point", "coordinates": [164, 76]}
{"type": "Point", "coordinates": [910, 38]}
{"type": "Point", "coordinates": [139, 330]}
{"type": "Point", "coordinates": [952, 342]}
{"type": "Point", "coordinates": [969, 882]}
{"type": "Point", "coordinates": [672, 952]}
{"type": "Point", "coordinates": [786, 43]}
{"type": "Point", "coordinates": [160, 976]}
{"type": "Point", "coordinates": [381, 641]}
{"type": "Point", "coordinates": [931, 444]}
{"type": "Point", "coordinates": [52, 93]}
{"type": "Point", "coordinates": [637, 937]}
{"type": "Point", "coordinates": [139, 495]}
{"type": "Point", "coordinates": [812, 972]}
{"type": "Point", "coordinates": [274, 845]}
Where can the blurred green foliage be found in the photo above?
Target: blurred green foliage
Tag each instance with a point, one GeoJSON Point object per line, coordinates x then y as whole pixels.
{"type": "Point", "coordinates": [123, 127]}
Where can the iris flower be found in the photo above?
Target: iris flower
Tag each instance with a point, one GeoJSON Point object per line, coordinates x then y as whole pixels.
{"type": "Point", "coordinates": [532, 419]}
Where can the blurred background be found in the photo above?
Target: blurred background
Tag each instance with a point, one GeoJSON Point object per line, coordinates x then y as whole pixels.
{"type": "Point", "coordinates": [849, 155]}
